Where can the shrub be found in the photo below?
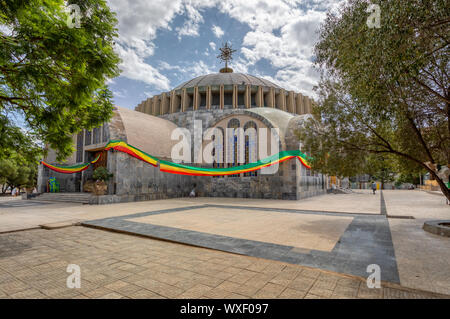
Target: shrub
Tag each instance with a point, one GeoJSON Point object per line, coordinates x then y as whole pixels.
{"type": "Point", "coordinates": [102, 174]}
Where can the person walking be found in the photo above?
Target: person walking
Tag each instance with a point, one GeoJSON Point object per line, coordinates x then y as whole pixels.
{"type": "Point", "coordinates": [374, 187]}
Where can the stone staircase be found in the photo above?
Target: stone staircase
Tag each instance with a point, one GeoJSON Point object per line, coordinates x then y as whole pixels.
{"type": "Point", "coordinates": [340, 190]}
{"type": "Point", "coordinates": [65, 197]}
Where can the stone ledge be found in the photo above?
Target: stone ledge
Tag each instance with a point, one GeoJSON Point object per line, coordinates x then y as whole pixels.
{"type": "Point", "coordinates": [62, 224]}
{"type": "Point", "coordinates": [436, 227]}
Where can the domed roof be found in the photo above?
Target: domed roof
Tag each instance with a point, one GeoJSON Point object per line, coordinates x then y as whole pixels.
{"type": "Point", "coordinates": [148, 133]}
{"type": "Point", "coordinates": [226, 79]}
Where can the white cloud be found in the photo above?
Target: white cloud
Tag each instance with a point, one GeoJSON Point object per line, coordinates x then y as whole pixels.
{"type": "Point", "coordinates": [120, 93]}
{"type": "Point", "coordinates": [281, 32]}
{"type": "Point", "coordinates": [134, 67]}
{"type": "Point", "coordinates": [191, 26]}
{"type": "Point", "coordinates": [284, 34]}
{"type": "Point", "coordinates": [218, 32]}
{"type": "Point", "coordinates": [199, 68]}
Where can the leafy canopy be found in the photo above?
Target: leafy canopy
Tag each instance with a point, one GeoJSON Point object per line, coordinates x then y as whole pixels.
{"type": "Point", "coordinates": [53, 76]}
{"type": "Point", "coordinates": [383, 90]}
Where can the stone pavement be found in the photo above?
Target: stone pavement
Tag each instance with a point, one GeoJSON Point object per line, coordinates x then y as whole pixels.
{"type": "Point", "coordinates": [23, 215]}
{"type": "Point", "coordinates": [423, 259]}
{"type": "Point", "coordinates": [33, 265]}
{"type": "Point", "coordinates": [341, 242]}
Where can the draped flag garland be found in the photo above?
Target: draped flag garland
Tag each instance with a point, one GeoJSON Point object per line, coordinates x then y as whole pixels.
{"type": "Point", "coordinates": [173, 168]}
{"type": "Point", "coordinates": [70, 169]}
{"type": "Point", "coordinates": [169, 167]}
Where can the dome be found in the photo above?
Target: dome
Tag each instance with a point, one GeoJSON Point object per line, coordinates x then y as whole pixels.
{"type": "Point", "coordinates": [226, 79]}
{"type": "Point", "coordinates": [148, 133]}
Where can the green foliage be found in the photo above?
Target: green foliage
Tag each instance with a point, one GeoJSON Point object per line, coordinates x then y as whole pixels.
{"type": "Point", "coordinates": [16, 174]}
{"type": "Point", "coordinates": [19, 156]}
{"type": "Point", "coordinates": [381, 168]}
{"type": "Point", "coordinates": [383, 90]}
{"type": "Point", "coordinates": [407, 178]}
{"type": "Point", "coordinates": [101, 174]}
{"type": "Point", "coordinates": [53, 76]}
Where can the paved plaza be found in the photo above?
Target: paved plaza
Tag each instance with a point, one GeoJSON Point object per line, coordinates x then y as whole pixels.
{"type": "Point", "coordinates": [227, 247]}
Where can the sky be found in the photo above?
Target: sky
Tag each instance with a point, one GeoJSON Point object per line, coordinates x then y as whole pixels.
{"type": "Point", "coordinates": [163, 43]}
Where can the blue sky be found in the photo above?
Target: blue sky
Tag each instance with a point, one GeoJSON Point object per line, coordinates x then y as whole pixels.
{"type": "Point", "coordinates": [163, 43]}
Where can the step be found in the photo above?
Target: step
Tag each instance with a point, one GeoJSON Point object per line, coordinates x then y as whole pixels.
{"type": "Point", "coordinates": [65, 197]}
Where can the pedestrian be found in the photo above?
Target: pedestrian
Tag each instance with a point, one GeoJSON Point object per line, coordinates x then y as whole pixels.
{"type": "Point", "coordinates": [192, 193]}
{"type": "Point", "coordinates": [374, 187]}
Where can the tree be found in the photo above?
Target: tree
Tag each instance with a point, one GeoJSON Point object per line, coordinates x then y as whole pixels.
{"type": "Point", "coordinates": [53, 74]}
{"type": "Point", "coordinates": [17, 174]}
{"type": "Point", "coordinates": [19, 156]}
{"type": "Point", "coordinates": [383, 90]}
{"type": "Point", "coordinates": [381, 168]}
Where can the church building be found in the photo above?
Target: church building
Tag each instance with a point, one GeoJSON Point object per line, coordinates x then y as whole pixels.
{"type": "Point", "coordinates": [224, 100]}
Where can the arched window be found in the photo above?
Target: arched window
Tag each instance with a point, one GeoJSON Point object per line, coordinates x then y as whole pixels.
{"type": "Point", "coordinates": [250, 133]}
{"type": "Point", "coordinates": [233, 144]}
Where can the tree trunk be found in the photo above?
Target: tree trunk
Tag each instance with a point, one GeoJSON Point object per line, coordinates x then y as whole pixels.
{"type": "Point", "coordinates": [445, 190]}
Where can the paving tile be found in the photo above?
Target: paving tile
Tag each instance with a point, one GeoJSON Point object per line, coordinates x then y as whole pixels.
{"type": "Point", "coordinates": [302, 283]}
{"type": "Point", "coordinates": [144, 294]}
{"type": "Point", "coordinates": [269, 291]}
{"type": "Point", "coordinates": [195, 292]}
{"type": "Point", "coordinates": [13, 287]}
{"type": "Point", "coordinates": [289, 293]}
{"type": "Point", "coordinates": [96, 293]}
{"type": "Point", "coordinates": [155, 269]}
{"type": "Point", "coordinates": [323, 284]}
{"type": "Point", "coordinates": [345, 291]}
{"type": "Point", "coordinates": [112, 295]}
{"type": "Point", "coordinates": [160, 288]}
{"type": "Point", "coordinates": [217, 293]}
{"type": "Point", "coordinates": [369, 293]}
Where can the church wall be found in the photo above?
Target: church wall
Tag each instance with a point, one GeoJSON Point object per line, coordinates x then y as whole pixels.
{"type": "Point", "coordinates": [281, 185]}
{"type": "Point", "coordinates": [135, 180]}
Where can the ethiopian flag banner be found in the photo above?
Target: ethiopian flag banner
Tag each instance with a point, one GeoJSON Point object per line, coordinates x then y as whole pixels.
{"type": "Point", "coordinates": [181, 169]}
{"type": "Point", "coordinates": [169, 167]}
{"type": "Point", "coordinates": [70, 169]}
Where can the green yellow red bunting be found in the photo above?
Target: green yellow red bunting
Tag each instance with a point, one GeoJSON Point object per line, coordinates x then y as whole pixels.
{"type": "Point", "coordinates": [181, 169]}
{"type": "Point", "coordinates": [70, 169]}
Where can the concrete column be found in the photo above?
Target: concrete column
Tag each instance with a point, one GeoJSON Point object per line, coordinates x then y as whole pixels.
{"type": "Point", "coordinates": [281, 100]}
{"type": "Point", "coordinates": [300, 104]}
{"type": "Point", "coordinates": [174, 102]}
{"type": "Point", "coordinates": [148, 106]}
{"type": "Point", "coordinates": [247, 97]}
{"type": "Point", "coordinates": [164, 107]}
{"type": "Point", "coordinates": [259, 97]}
{"type": "Point", "coordinates": [235, 96]}
{"type": "Point", "coordinates": [208, 97]}
{"type": "Point", "coordinates": [270, 98]}
{"type": "Point", "coordinates": [222, 93]}
{"type": "Point", "coordinates": [196, 98]}
{"type": "Point", "coordinates": [185, 100]}
{"type": "Point", "coordinates": [155, 105]}
{"type": "Point", "coordinates": [291, 102]}
{"type": "Point", "coordinates": [307, 105]}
